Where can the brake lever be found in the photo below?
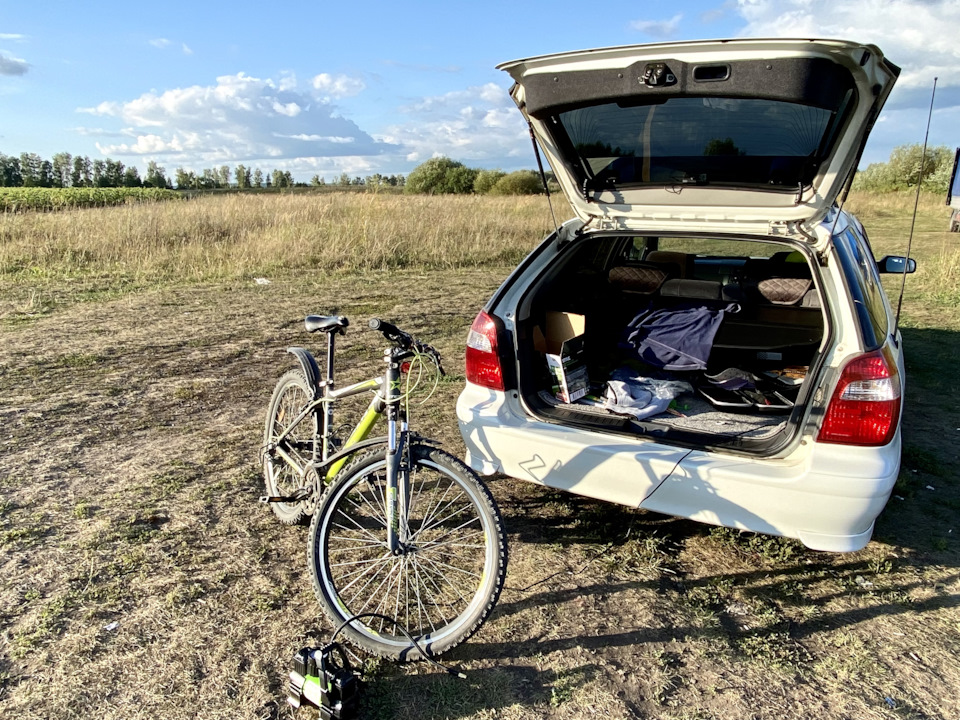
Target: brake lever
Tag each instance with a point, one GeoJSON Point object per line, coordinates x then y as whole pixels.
{"type": "Point", "coordinates": [435, 354]}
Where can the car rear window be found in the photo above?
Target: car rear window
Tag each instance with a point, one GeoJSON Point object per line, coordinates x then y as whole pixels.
{"type": "Point", "coordinates": [702, 140]}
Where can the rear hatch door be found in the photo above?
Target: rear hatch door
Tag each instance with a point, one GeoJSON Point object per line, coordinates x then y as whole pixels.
{"type": "Point", "coordinates": [731, 136]}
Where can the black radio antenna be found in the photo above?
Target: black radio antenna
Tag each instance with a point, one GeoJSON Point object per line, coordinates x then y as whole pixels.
{"type": "Point", "coordinates": [916, 203]}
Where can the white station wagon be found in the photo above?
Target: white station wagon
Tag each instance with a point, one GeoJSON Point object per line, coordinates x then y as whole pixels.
{"type": "Point", "coordinates": [708, 337]}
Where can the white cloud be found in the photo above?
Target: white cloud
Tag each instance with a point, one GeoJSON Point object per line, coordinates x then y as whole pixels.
{"type": "Point", "coordinates": [160, 42]}
{"type": "Point", "coordinates": [238, 118]}
{"type": "Point", "coordinates": [318, 138]}
{"type": "Point", "coordinates": [186, 49]}
{"type": "Point", "coordinates": [10, 65]}
{"type": "Point", "coordinates": [12, 36]}
{"type": "Point", "coordinates": [479, 124]}
{"type": "Point", "coordinates": [914, 34]}
{"type": "Point", "coordinates": [658, 28]}
{"type": "Point", "coordinates": [338, 86]}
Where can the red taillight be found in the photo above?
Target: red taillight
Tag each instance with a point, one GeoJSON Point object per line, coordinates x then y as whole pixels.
{"type": "Point", "coordinates": [865, 407]}
{"type": "Point", "coordinates": [483, 357]}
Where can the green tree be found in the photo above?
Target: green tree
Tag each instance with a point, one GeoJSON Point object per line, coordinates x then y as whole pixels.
{"type": "Point", "coordinates": [184, 178]}
{"type": "Point", "coordinates": [315, 181]}
{"type": "Point", "coordinates": [282, 179]}
{"type": "Point", "coordinates": [82, 174]}
{"type": "Point", "coordinates": [131, 177]}
{"type": "Point", "coordinates": [521, 182]}
{"type": "Point", "coordinates": [30, 167]}
{"type": "Point", "coordinates": [224, 176]}
{"type": "Point", "coordinates": [343, 179]}
{"type": "Point", "coordinates": [485, 181]}
{"type": "Point", "coordinates": [258, 178]}
{"type": "Point", "coordinates": [10, 171]}
{"type": "Point", "coordinates": [902, 171]}
{"type": "Point", "coordinates": [98, 168]}
{"type": "Point", "coordinates": [156, 176]}
{"type": "Point", "coordinates": [112, 173]}
{"type": "Point", "coordinates": [62, 164]}
{"type": "Point", "coordinates": [441, 175]}
{"type": "Point", "coordinates": [243, 177]}
{"type": "Point", "coordinates": [46, 174]}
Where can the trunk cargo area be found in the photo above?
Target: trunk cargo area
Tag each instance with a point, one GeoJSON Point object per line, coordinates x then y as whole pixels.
{"type": "Point", "coordinates": [701, 341]}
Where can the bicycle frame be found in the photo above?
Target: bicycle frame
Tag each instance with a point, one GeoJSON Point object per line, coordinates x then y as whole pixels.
{"type": "Point", "coordinates": [387, 397]}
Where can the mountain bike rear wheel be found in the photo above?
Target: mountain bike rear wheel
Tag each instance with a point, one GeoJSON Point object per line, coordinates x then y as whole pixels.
{"type": "Point", "coordinates": [446, 578]}
{"type": "Point", "coordinates": [290, 396]}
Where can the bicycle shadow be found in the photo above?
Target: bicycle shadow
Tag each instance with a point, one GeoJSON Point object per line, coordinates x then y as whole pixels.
{"type": "Point", "coordinates": [396, 692]}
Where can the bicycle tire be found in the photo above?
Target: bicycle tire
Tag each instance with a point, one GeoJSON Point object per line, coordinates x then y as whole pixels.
{"type": "Point", "coordinates": [290, 395]}
{"type": "Point", "coordinates": [350, 523]}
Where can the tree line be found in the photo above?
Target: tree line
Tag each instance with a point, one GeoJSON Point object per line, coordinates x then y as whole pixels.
{"type": "Point", "coordinates": [66, 170]}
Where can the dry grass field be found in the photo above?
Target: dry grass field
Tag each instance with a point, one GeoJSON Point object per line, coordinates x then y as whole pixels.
{"type": "Point", "coordinates": [139, 578]}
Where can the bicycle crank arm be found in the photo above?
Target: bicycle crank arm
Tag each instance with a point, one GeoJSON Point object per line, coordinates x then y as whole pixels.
{"type": "Point", "coordinates": [298, 495]}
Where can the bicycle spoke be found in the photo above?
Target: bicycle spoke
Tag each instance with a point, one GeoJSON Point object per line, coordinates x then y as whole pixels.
{"type": "Point", "coordinates": [436, 540]}
{"type": "Point", "coordinates": [447, 580]}
{"type": "Point", "coordinates": [377, 565]}
{"type": "Point", "coordinates": [429, 515]}
{"type": "Point", "coordinates": [440, 510]}
{"type": "Point", "coordinates": [383, 518]}
{"type": "Point", "coordinates": [420, 602]}
{"type": "Point", "coordinates": [359, 527]}
{"type": "Point", "coordinates": [356, 539]}
{"type": "Point", "coordinates": [440, 595]}
{"type": "Point", "coordinates": [440, 522]}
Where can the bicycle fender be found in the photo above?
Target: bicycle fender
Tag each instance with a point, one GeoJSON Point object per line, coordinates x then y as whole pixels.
{"type": "Point", "coordinates": [309, 366]}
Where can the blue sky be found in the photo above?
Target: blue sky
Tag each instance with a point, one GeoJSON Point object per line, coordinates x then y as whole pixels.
{"type": "Point", "coordinates": [330, 87]}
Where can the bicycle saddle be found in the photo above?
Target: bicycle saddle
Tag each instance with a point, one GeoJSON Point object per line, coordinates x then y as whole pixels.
{"type": "Point", "coordinates": [326, 323]}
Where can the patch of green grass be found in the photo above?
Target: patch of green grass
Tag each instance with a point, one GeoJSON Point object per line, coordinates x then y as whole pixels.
{"type": "Point", "coordinates": [22, 537]}
{"type": "Point", "coordinates": [848, 658]}
{"type": "Point", "coordinates": [568, 682]}
{"type": "Point", "coordinates": [83, 511]}
{"type": "Point", "coordinates": [77, 361]}
{"type": "Point", "coordinates": [708, 599]}
{"type": "Point", "coordinates": [773, 650]}
{"type": "Point", "coordinates": [48, 622]}
{"type": "Point", "coordinates": [641, 554]}
{"type": "Point", "coordinates": [769, 548]}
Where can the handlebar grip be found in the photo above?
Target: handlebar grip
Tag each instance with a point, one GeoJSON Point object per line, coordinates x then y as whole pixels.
{"type": "Point", "coordinates": [391, 332]}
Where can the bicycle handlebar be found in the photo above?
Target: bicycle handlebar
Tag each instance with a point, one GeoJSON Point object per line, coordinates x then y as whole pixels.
{"type": "Point", "coordinates": [405, 340]}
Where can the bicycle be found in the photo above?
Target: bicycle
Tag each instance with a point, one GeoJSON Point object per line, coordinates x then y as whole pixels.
{"type": "Point", "coordinates": [405, 527]}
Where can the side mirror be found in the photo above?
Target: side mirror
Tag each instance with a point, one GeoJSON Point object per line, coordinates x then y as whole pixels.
{"type": "Point", "coordinates": [893, 264]}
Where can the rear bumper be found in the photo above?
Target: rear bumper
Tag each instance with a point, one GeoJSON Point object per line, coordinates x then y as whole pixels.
{"type": "Point", "coordinates": [826, 496]}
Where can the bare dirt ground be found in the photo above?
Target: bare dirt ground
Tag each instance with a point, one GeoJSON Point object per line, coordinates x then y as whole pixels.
{"type": "Point", "coordinates": [140, 579]}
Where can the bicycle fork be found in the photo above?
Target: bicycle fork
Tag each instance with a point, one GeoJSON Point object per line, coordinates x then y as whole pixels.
{"type": "Point", "coordinates": [398, 472]}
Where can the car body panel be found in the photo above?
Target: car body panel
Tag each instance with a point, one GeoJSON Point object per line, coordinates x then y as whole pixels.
{"type": "Point", "coordinates": [826, 496]}
{"type": "Point", "coordinates": [689, 206]}
{"type": "Point", "coordinates": [500, 436]}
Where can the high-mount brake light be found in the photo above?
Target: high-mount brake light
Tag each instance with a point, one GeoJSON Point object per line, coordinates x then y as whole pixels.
{"type": "Point", "coordinates": [865, 406]}
{"type": "Point", "coordinates": [483, 355]}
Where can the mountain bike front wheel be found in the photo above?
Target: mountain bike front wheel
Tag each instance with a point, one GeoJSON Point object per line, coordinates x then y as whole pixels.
{"type": "Point", "coordinates": [444, 580]}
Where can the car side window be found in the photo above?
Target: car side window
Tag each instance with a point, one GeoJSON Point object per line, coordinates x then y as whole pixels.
{"type": "Point", "coordinates": [870, 280]}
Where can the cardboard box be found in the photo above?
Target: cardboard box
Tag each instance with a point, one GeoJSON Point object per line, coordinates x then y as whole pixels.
{"type": "Point", "coordinates": [562, 342]}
